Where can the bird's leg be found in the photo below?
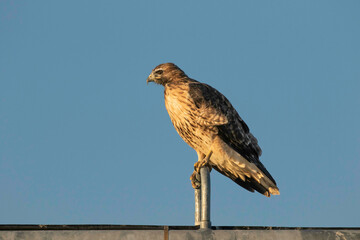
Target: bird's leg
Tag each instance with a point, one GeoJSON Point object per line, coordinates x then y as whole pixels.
{"type": "Point", "coordinates": [203, 162]}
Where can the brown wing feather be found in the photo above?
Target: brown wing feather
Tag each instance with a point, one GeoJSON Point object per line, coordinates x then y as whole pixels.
{"type": "Point", "coordinates": [233, 131]}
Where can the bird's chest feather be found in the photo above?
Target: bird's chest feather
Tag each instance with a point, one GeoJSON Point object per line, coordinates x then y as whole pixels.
{"type": "Point", "coordinates": [178, 105]}
{"type": "Point", "coordinates": [182, 112]}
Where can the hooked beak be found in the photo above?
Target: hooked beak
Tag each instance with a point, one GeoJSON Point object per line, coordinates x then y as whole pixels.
{"type": "Point", "coordinates": [150, 79]}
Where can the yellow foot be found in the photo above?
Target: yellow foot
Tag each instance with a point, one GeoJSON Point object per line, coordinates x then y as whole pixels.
{"type": "Point", "coordinates": [195, 180]}
{"type": "Point", "coordinates": [202, 163]}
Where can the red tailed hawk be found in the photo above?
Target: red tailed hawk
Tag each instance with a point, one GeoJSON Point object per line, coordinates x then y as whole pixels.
{"type": "Point", "coordinates": [208, 122]}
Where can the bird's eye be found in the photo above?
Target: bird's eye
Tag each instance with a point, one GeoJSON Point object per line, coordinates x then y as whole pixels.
{"type": "Point", "coordinates": [159, 71]}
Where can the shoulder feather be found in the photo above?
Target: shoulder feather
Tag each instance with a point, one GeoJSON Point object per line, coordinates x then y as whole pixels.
{"type": "Point", "coordinates": [208, 104]}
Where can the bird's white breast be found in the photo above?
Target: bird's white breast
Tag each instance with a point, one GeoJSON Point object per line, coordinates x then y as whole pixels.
{"type": "Point", "coordinates": [182, 112]}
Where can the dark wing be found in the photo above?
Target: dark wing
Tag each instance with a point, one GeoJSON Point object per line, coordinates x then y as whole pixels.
{"type": "Point", "coordinates": [234, 131]}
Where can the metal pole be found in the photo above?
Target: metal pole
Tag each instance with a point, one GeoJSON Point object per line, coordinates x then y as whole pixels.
{"type": "Point", "coordinates": [197, 192]}
{"type": "Point", "coordinates": [205, 198]}
{"type": "Point", "coordinates": [197, 206]}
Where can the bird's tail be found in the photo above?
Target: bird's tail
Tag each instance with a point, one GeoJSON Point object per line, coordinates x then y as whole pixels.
{"type": "Point", "coordinates": [247, 174]}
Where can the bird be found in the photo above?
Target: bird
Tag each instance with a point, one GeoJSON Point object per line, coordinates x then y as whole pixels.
{"type": "Point", "coordinates": [207, 122]}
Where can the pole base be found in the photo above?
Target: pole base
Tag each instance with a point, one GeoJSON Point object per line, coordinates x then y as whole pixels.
{"type": "Point", "coordinates": [205, 225]}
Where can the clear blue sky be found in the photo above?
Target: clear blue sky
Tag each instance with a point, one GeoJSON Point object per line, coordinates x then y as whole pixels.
{"type": "Point", "coordinates": [84, 140]}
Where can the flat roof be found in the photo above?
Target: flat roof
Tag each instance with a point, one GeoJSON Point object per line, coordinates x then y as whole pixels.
{"type": "Point", "coordinates": [87, 227]}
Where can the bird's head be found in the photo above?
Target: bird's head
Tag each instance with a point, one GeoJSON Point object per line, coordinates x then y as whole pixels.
{"type": "Point", "coordinates": [165, 73]}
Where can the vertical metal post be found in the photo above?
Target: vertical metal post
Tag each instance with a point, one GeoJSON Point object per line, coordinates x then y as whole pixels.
{"type": "Point", "coordinates": [197, 206]}
{"type": "Point", "coordinates": [205, 198]}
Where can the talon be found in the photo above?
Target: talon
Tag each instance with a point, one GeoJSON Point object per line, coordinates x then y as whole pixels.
{"type": "Point", "coordinates": [195, 180]}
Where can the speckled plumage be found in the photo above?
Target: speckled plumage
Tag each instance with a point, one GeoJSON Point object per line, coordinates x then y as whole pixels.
{"type": "Point", "coordinates": [207, 121]}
